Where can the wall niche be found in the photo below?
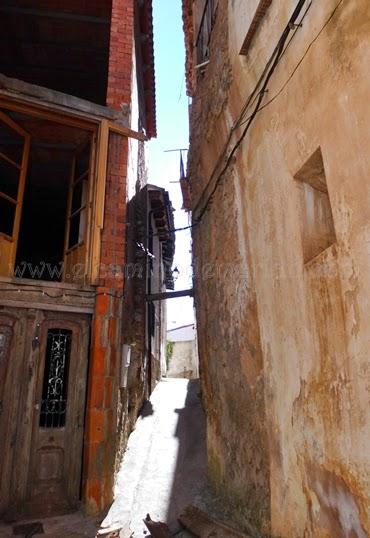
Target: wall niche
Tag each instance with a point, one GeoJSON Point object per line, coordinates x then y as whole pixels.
{"type": "Point", "coordinates": [317, 224]}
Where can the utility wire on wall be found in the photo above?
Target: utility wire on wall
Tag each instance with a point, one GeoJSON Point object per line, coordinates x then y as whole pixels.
{"type": "Point", "coordinates": [258, 94]}
{"type": "Point", "coordinates": [256, 97]}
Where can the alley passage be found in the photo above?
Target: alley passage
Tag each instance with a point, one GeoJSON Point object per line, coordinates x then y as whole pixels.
{"type": "Point", "coordinates": [164, 468]}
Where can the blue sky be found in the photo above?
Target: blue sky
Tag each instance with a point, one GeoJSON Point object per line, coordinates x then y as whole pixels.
{"type": "Point", "coordinates": [172, 129]}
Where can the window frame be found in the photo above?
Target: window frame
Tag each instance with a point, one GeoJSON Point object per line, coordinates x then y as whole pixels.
{"type": "Point", "coordinates": [100, 127]}
{"type": "Point", "coordinates": [206, 24]}
{"type": "Point", "coordinates": [90, 124]}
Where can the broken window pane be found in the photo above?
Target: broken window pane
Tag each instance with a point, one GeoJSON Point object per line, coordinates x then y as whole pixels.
{"type": "Point", "coordinates": [11, 143]}
{"type": "Point", "coordinates": [7, 214]}
{"type": "Point", "coordinates": [82, 162]}
{"type": "Point", "coordinates": [9, 178]}
{"type": "Point", "coordinates": [74, 231]}
{"type": "Point", "coordinates": [79, 195]}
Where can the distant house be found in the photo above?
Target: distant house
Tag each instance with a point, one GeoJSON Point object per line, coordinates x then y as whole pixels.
{"type": "Point", "coordinates": [182, 352]}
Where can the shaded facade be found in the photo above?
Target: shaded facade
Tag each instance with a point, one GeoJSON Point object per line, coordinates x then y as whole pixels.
{"type": "Point", "coordinates": [77, 102]}
{"type": "Point", "coordinates": [279, 168]}
{"type": "Point", "coordinates": [150, 252]}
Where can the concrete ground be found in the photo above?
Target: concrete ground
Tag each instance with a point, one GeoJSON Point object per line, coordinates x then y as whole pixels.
{"type": "Point", "coordinates": [164, 467]}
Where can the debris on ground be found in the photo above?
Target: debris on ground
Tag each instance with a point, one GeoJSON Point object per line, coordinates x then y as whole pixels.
{"type": "Point", "coordinates": [110, 532]}
{"type": "Point", "coordinates": [202, 525]}
{"type": "Point", "coordinates": [157, 529]}
{"type": "Point", "coordinates": [194, 524]}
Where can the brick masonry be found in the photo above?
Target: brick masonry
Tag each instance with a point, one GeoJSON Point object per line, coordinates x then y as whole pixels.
{"type": "Point", "coordinates": [100, 431]}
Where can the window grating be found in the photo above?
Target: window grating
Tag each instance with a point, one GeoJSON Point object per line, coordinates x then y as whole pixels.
{"type": "Point", "coordinates": [54, 392]}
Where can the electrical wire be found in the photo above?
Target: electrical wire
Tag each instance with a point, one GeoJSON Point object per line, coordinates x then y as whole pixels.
{"type": "Point", "coordinates": [292, 26]}
{"type": "Point", "coordinates": [92, 293]}
{"type": "Point", "coordinates": [275, 58]}
{"type": "Point", "coordinates": [300, 61]}
{"type": "Point", "coordinates": [255, 95]}
{"type": "Point", "coordinates": [173, 230]}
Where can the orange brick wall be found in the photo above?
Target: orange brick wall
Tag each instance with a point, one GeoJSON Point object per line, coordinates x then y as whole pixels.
{"type": "Point", "coordinates": [120, 54]}
{"type": "Point", "coordinates": [100, 432]}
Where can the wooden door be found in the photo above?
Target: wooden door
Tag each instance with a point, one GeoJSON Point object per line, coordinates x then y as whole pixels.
{"type": "Point", "coordinates": [47, 463]}
{"type": "Point", "coordinates": [14, 152]}
{"type": "Point", "coordinates": [78, 216]}
{"type": "Point", "coordinates": [14, 325]}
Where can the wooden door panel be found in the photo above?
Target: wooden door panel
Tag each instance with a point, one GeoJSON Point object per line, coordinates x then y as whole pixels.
{"type": "Point", "coordinates": [56, 448]}
{"type": "Point", "coordinates": [41, 472]}
{"type": "Point", "coordinates": [13, 327]}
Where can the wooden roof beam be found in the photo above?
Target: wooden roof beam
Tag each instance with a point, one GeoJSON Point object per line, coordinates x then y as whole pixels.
{"type": "Point", "coordinates": [77, 17]}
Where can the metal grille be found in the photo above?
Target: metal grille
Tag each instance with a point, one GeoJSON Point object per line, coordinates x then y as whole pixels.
{"type": "Point", "coordinates": [205, 30]}
{"type": "Point", "coordinates": [54, 393]}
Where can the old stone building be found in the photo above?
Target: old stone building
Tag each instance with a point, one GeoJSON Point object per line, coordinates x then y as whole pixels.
{"type": "Point", "coordinates": [279, 170]}
{"type": "Point", "coordinates": [77, 100]}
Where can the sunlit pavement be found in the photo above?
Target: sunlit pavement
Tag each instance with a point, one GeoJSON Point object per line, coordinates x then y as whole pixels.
{"type": "Point", "coordinates": [164, 468]}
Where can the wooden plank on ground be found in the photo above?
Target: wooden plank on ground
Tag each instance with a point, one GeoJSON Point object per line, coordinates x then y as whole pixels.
{"type": "Point", "coordinates": [110, 532]}
{"type": "Point", "coordinates": [157, 529]}
{"type": "Point", "coordinates": [203, 526]}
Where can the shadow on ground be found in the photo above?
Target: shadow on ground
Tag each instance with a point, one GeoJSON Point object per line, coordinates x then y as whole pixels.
{"type": "Point", "coordinates": [190, 474]}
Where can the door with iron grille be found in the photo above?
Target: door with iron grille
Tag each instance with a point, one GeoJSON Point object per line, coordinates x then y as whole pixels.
{"type": "Point", "coordinates": [51, 476]}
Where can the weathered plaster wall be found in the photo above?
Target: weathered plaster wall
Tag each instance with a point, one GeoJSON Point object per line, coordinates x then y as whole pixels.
{"type": "Point", "coordinates": [309, 385]}
{"type": "Point", "coordinates": [229, 343]}
{"type": "Point", "coordinates": [184, 360]}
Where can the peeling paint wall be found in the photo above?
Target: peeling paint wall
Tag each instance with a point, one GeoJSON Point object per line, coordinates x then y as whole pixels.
{"type": "Point", "coordinates": [284, 335]}
{"type": "Point", "coordinates": [229, 341]}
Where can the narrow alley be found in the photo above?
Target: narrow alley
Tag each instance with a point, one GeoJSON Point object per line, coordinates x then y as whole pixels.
{"type": "Point", "coordinates": [164, 468]}
{"type": "Point", "coordinates": [163, 474]}
{"type": "Point", "coordinates": [184, 268]}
